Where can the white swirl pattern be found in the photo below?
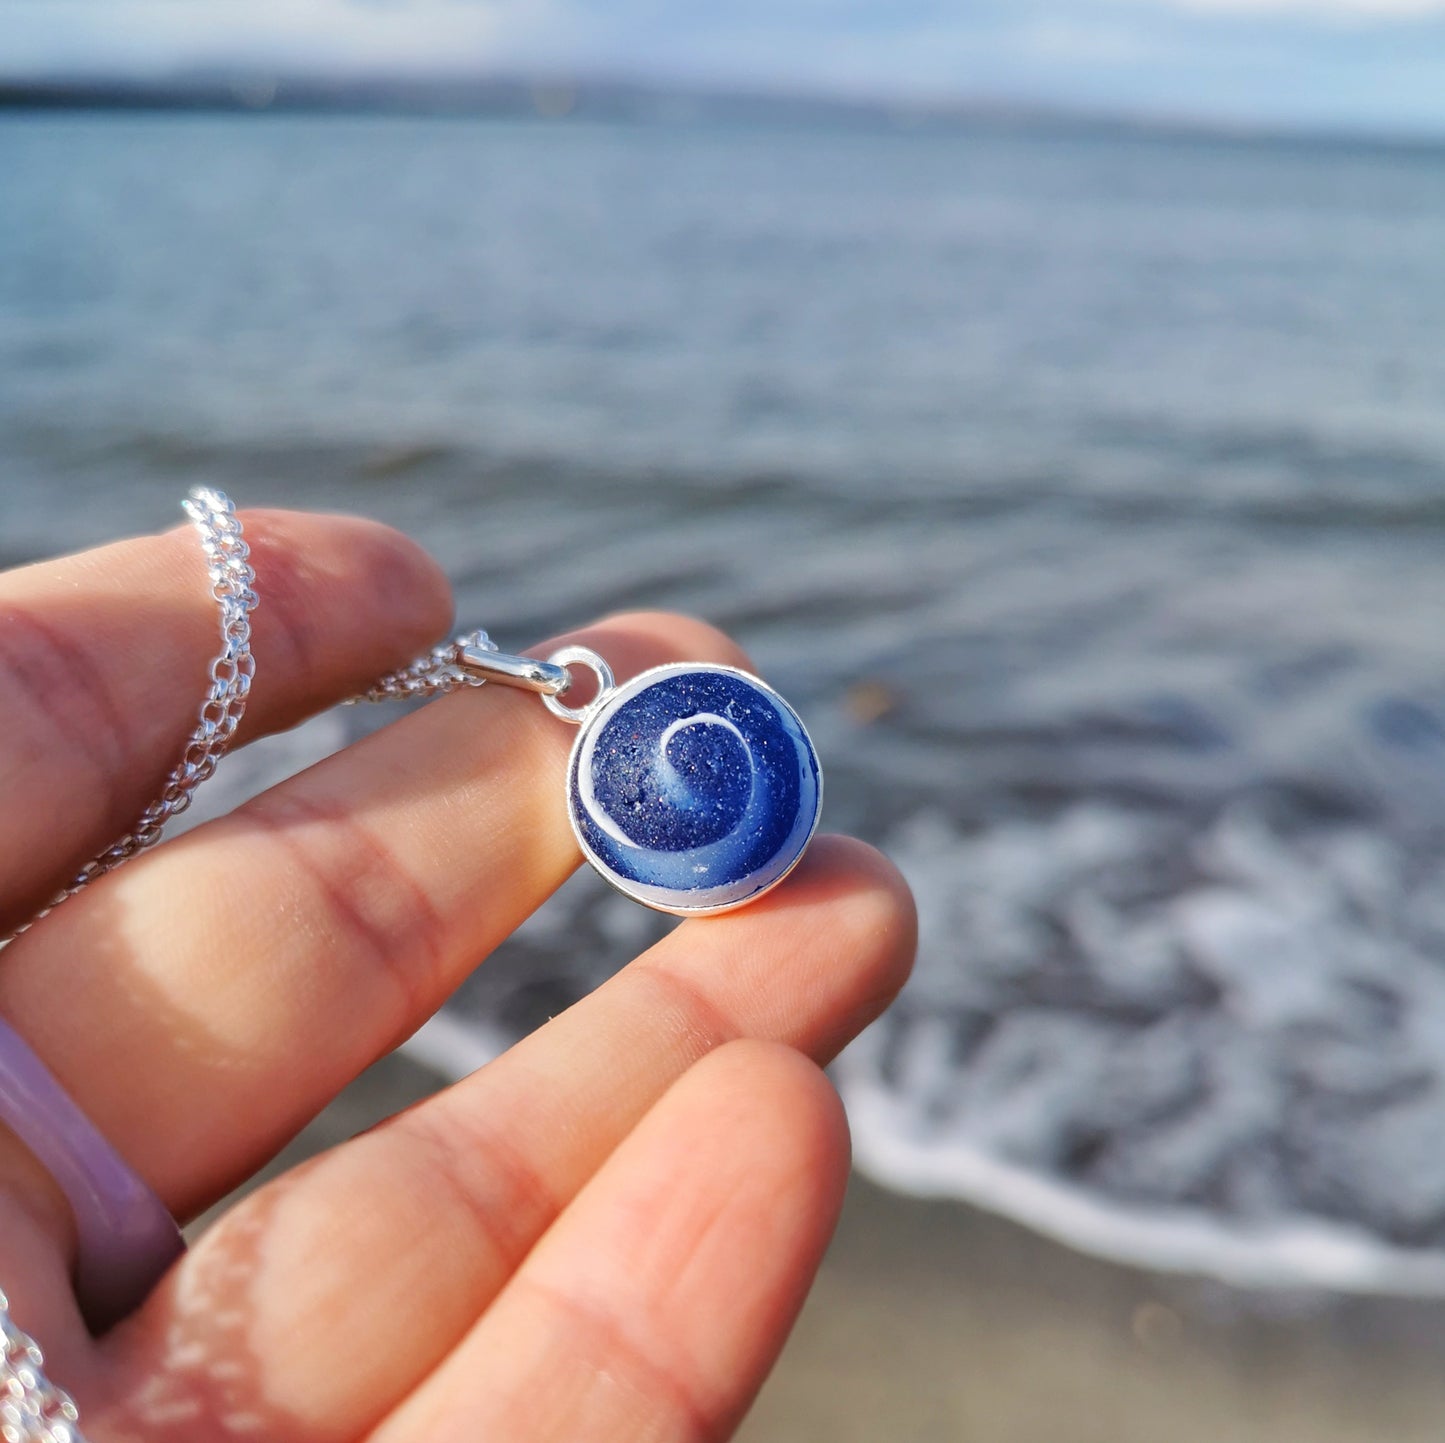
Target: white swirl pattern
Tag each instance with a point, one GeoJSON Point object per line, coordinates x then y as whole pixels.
{"type": "Point", "coordinates": [694, 788]}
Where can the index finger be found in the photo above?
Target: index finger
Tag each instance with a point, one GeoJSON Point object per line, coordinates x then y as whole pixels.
{"type": "Point", "coordinates": [104, 657]}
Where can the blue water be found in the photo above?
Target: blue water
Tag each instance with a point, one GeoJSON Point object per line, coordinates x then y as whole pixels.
{"type": "Point", "coordinates": [1086, 496]}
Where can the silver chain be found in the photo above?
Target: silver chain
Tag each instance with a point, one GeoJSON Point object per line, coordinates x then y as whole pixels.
{"type": "Point", "coordinates": [434, 674]}
{"type": "Point", "coordinates": [233, 587]}
{"type": "Point", "coordinates": [32, 1408]}
{"type": "Point", "coordinates": [233, 580]}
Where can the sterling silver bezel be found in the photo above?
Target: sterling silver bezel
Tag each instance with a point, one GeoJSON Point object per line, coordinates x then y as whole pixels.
{"type": "Point", "coordinates": [597, 715]}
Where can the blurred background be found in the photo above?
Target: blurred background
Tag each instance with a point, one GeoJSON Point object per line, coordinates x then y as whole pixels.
{"type": "Point", "coordinates": [1051, 396]}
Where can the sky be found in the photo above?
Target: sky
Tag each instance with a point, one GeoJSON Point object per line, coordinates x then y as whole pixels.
{"type": "Point", "coordinates": [1376, 65]}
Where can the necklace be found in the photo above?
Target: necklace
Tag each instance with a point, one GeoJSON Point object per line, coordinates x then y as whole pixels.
{"type": "Point", "coordinates": [692, 788]}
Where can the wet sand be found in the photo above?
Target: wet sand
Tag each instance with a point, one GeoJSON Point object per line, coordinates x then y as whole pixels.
{"type": "Point", "coordinates": [932, 1323]}
{"type": "Point", "coordinates": [935, 1323]}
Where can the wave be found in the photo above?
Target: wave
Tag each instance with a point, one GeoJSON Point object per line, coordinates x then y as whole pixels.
{"type": "Point", "coordinates": [1287, 1252]}
{"type": "Point", "coordinates": [1217, 1049]}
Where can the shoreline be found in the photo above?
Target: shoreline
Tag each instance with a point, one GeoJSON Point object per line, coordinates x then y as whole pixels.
{"type": "Point", "coordinates": [934, 1321]}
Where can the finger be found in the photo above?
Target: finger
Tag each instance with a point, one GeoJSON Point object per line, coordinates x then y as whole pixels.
{"type": "Point", "coordinates": [438, 1207]}
{"type": "Point", "coordinates": [325, 921]}
{"type": "Point", "coordinates": [104, 657]}
{"type": "Point", "coordinates": [654, 1308]}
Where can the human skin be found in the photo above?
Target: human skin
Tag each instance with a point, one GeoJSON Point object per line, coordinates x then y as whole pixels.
{"type": "Point", "coordinates": [605, 1234]}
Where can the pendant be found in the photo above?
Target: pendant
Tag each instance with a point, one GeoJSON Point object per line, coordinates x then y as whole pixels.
{"type": "Point", "coordinates": [693, 788]}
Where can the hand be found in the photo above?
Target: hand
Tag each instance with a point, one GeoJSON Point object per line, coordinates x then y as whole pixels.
{"type": "Point", "coordinates": [603, 1235]}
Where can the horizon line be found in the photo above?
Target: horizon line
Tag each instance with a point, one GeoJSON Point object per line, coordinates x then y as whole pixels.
{"type": "Point", "coordinates": [555, 94]}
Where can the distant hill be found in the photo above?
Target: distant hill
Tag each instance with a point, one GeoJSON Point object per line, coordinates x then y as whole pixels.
{"type": "Point", "coordinates": [602, 99]}
{"type": "Point", "coordinates": [502, 95]}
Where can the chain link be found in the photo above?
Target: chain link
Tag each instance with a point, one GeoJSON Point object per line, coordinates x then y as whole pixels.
{"type": "Point", "coordinates": [233, 587]}
{"type": "Point", "coordinates": [434, 674]}
{"type": "Point", "coordinates": [32, 1408]}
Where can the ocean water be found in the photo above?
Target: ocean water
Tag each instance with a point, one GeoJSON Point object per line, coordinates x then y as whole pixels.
{"type": "Point", "coordinates": [1086, 496]}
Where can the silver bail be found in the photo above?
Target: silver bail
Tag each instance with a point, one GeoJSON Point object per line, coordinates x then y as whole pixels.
{"type": "Point", "coordinates": [526, 672]}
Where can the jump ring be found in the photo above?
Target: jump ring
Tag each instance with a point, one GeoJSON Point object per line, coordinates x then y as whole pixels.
{"type": "Point", "coordinates": [570, 656]}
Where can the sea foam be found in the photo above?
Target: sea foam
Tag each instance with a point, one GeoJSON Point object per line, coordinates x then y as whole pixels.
{"type": "Point", "coordinates": [1214, 1049]}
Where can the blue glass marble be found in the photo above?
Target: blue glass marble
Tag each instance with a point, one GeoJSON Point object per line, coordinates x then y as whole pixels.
{"type": "Point", "coordinates": [694, 788]}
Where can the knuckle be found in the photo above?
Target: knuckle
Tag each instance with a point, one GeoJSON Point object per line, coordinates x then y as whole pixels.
{"type": "Point", "coordinates": [370, 899]}
{"type": "Point", "coordinates": [680, 1007]}
{"type": "Point", "coordinates": [592, 1336]}
{"type": "Point", "coordinates": [487, 1180]}
{"type": "Point", "coordinates": [61, 689]}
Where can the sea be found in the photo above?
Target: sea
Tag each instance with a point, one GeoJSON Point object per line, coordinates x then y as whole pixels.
{"type": "Point", "coordinates": [1085, 492]}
